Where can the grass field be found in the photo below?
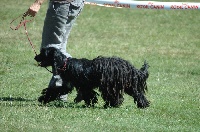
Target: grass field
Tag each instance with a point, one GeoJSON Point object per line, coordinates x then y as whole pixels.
{"type": "Point", "coordinates": [168, 40]}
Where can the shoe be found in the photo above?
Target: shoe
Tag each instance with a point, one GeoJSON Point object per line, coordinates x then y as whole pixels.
{"type": "Point", "coordinates": [63, 98]}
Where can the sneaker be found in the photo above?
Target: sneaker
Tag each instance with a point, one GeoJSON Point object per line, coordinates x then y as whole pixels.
{"type": "Point", "coordinates": [63, 98]}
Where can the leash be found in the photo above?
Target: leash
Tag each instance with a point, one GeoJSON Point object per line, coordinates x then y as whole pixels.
{"type": "Point", "coordinates": [23, 22]}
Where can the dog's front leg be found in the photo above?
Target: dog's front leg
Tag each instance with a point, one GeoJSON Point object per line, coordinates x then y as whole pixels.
{"type": "Point", "coordinates": [51, 94]}
{"type": "Point", "coordinates": [142, 102]}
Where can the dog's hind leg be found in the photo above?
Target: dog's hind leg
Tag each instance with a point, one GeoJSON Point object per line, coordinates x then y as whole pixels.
{"type": "Point", "coordinates": [112, 99]}
{"type": "Point", "coordinates": [90, 97]}
{"type": "Point", "coordinates": [113, 102]}
{"type": "Point", "coordinates": [79, 97]}
{"type": "Point", "coordinates": [117, 100]}
{"type": "Point", "coordinates": [94, 98]}
{"type": "Point", "coordinates": [105, 97]}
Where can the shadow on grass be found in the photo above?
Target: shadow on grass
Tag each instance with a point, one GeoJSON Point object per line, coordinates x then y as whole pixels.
{"type": "Point", "coordinates": [14, 99]}
{"type": "Point", "coordinates": [19, 101]}
{"type": "Point", "coordinates": [60, 104]}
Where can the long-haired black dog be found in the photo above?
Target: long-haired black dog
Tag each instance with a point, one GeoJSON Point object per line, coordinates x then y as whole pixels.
{"type": "Point", "coordinates": [113, 77]}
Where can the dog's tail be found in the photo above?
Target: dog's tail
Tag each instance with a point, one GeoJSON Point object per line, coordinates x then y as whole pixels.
{"type": "Point", "coordinates": [143, 75]}
{"type": "Point", "coordinates": [144, 69]}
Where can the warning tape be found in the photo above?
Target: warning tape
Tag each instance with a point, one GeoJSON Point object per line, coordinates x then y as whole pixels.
{"type": "Point", "coordinates": [145, 4]}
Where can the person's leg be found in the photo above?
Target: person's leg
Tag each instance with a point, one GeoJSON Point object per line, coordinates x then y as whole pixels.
{"type": "Point", "coordinates": [54, 26]}
{"type": "Point", "coordinates": [57, 26]}
{"type": "Point", "coordinates": [74, 10]}
{"type": "Point", "coordinates": [58, 23]}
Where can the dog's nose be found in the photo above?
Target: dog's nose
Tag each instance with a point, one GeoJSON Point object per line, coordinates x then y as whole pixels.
{"type": "Point", "coordinates": [37, 58]}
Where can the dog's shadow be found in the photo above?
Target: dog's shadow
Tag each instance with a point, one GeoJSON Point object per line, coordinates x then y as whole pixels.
{"type": "Point", "coordinates": [15, 101]}
{"type": "Point", "coordinates": [9, 99]}
{"type": "Point", "coordinates": [59, 104]}
{"type": "Point", "coordinates": [19, 101]}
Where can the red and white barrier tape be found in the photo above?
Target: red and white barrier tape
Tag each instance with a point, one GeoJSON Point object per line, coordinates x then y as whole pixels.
{"type": "Point", "coordinates": [145, 4]}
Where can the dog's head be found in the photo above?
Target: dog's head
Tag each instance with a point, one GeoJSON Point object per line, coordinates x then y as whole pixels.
{"type": "Point", "coordinates": [50, 57]}
{"type": "Point", "coordinates": [46, 57]}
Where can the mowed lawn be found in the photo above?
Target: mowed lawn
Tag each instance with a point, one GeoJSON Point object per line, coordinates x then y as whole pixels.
{"type": "Point", "coordinates": [169, 40]}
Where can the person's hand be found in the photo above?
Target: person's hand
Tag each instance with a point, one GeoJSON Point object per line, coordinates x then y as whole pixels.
{"type": "Point", "coordinates": [33, 9]}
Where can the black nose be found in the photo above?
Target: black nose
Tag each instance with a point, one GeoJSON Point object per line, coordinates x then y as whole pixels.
{"type": "Point", "coordinates": [38, 58]}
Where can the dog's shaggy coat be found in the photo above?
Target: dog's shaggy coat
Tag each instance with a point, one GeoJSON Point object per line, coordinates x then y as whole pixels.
{"type": "Point", "coordinates": [113, 77]}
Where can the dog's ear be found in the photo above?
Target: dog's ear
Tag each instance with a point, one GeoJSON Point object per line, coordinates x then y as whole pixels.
{"type": "Point", "coordinates": [55, 66]}
{"type": "Point", "coordinates": [50, 52]}
{"type": "Point", "coordinates": [56, 57]}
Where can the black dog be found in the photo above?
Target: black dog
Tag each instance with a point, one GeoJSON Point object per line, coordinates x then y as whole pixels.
{"type": "Point", "coordinates": [113, 77]}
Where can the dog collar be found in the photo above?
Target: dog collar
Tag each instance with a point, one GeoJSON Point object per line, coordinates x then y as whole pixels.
{"type": "Point", "coordinates": [65, 65]}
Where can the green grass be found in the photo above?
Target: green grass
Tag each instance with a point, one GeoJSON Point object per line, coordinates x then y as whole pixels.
{"type": "Point", "coordinates": [168, 40]}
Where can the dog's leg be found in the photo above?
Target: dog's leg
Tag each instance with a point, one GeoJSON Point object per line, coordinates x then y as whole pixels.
{"type": "Point", "coordinates": [106, 105]}
{"type": "Point", "coordinates": [112, 99]}
{"type": "Point", "coordinates": [117, 100]}
{"type": "Point", "coordinates": [139, 98]}
{"type": "Point", "coordinates": [48, 95]}
{"type": "Point", "coordinates": [116, 97]}
{"type": "Point", "coordinates": [94, 98]}
{"type": "Point", "coordinates": [105, 96]}
{"type": "Point", "coordinates": [79, 97]}
{"type": "Point", "coordinates": [142, 102]}
{"type": "Point", "coordinates": [90, 97]}
{"type": "Point", "coordinates": [51, 94]}
{"type": "Point", "coordinates": [113, 102]}
{"type": "Point", "coordinates": [120, 99]}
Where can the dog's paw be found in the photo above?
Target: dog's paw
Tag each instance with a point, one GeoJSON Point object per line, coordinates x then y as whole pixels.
{"type": "Point", "coordinates": [143, 105]}
{"type": "Point", "coordinates": [48, 95]}
{"type": "Point", "coordinates": [44, 91]}
{"type": "Point", "coordinates": [142, 102]}
{"type": "Point", "coordinates": [42, 99]}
